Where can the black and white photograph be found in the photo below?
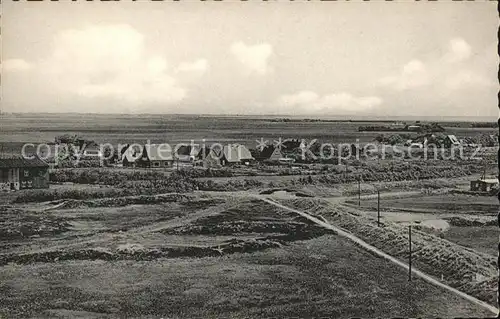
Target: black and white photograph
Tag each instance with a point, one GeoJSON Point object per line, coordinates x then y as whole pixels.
{"type": "Point", "coordinates": [249, 159]}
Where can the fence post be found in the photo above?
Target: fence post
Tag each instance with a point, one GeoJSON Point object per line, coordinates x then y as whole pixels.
{"type": "Point", "coordinates": [378, 208]}
{"type": "Point", "coordinates": [409, 257]}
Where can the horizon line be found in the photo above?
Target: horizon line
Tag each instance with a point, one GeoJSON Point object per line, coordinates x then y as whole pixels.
{"type": "Point", "coordinates": [303, 116]}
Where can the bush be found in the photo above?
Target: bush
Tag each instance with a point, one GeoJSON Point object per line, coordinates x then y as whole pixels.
{"type": "Point", "coordinates": [102, 176]}
{"type": "Point", "coordinates": [51, 195]}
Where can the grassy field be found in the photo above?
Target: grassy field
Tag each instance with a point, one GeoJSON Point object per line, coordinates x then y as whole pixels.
{"type": "Point", "coordinates": [480, 238]}
{"type": "Point", "coordinates": [439, 204]}
{"type": "Point", "coordinates": [461, 267]}
{"type": "Point", "coordinates": [114, 129]}
{"type": "Point", "coordinates": [207, 258]}
{"type": "Point", "coordinates": [464, 219]}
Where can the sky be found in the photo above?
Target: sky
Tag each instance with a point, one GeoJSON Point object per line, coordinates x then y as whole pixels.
{"type": "Point", "coordinates": [276, 57]}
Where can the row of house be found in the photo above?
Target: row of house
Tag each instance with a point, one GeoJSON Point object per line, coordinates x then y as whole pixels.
{"type": "Point", "coordinates": [160, 155]}
{"type": "Point", "coordinates": [440, 140]}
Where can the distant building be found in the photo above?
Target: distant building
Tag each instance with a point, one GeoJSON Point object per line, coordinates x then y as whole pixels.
{"type": "Point", "coordinates": [451, 140]}
{"type": "Point", "coordinates": [236, 154]}
{"type": "Point", "coordinates": [156, 156]}
{"type": "Point", "coordinates": [46, 152]}
{"type": "Point", "coordinates": [130, 156]}
{"type": "Point", "coordinates": [186, 153]}
{"type": "Point", "coordinates": [21, 173]}
{"type": "Point", "coordinates": [413, 128]}
{"type": "Point", "coordinates": [209, 157]}
{"type": "Point", "coordinates": [483, 185]}
{"type": "Point", "coordinates": [271, 153]}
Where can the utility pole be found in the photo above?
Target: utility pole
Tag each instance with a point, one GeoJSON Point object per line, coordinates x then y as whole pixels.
{"type": "Point", "coordinates": [409, 260]}
{"type": "Point", "coordinates": [378, 208]}
{"type": "Point", "coordinates": [359, 191]}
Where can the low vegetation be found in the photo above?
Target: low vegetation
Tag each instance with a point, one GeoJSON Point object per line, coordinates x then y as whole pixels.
{"type": "Point", "coordinates": [460, 267]}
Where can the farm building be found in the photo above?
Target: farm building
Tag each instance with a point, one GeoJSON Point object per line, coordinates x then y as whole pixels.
{"type": "Point", "coordinates": [130, 155]}
{"type": "Point", "coordinates": [209, 157]}
{"type": "Point", "coordinates": [236, 154]}
{"type": "Point", "coordinates": [46, 152]}
{"type": "Point", "coordinates": [437, 139]}
{"type": "Point", "coordinates": [186, 153]}
{"type": "Point", "coordinates": [271, 153]}
{"type": "Point", "coordinates": [483, 184]}
{"type": "Point", "coordinates": [22, 173]}
{"type": "Point", "coordinates": [451, 140]}
{"type": "Point", "coordinates": [156, 156]}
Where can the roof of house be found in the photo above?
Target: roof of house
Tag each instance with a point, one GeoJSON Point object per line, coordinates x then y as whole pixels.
{"type": "Point", "coordinates": [453, 139]}
{"type": "Point", "coordinates": [187, 150]}
{"type": "Point", "coordinates": [489, 180]}
{"type": "Point", "coordinates": [236, 153]}
{"type": "Point", "coordinates": [158, 152]}
{"type": "Point", "coordinates": [270, 151]}
{"type": "Point", "coordinates": [130, 154]}
{"type": "Point", "coordinates": [205, 151]}
{"type": "Point", "coordinates": [20, 162]}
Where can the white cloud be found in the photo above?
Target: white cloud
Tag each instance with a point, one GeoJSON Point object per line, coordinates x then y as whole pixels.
{"type": "Point", "coordinates": [308, 102]}
{"type": "Point", "coordinates": [299, 98]}
{"type": "Point", "coordinates": [253, 57]}
{"type": "Point", "coordinates": [15, 65]}
{"type": "Point", "coordinates": [466, 79]}
{"type": "Point", "coordinates": [413, 74]}
{"type": "Point", "coordinates": [110, 62]}
{"type": "Point", "coordinates": [459, 50]}
{"type": "Point", "coordinates": [200, 65]}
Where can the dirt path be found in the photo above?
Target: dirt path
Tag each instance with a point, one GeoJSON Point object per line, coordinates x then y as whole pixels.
{"type": "Point", "coordinates": [380, 253]}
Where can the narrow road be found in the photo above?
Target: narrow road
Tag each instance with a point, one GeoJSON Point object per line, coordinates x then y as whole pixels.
{"type": "Point", "coordinates": [380, 253]}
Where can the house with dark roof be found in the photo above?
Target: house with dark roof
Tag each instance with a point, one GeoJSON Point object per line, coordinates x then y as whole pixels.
{"type": "Point", "coordinates": [209, 157]}
{"type": "Point", "coordinates": [47, 152]}
{"type": "Point", "coordinates": [236, 154]}
{"type": "Point", "coordinates": [156, 156]}
{"type": "Point", "coordinates": [23, 173]}
{"type": "Point", "coordinates": [186, 153]}
{"type": "Point", "coordinates": [271, 153]}
{"type": "Point", "coordinates": [130, 155]}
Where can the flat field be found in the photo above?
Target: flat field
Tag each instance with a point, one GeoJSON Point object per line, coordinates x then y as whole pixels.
{"type": "Point", "coordinates": [203, 258]}
{"type": "Point", "coordinates": [467, 220]}
{"type": "Point", "coordinates": [41, 128]}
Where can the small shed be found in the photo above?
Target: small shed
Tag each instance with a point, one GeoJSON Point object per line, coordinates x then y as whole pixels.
{"type": "Point", "coordinates": [23, 173]}
{"type": "Point", "coordinates": [483, 185]}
